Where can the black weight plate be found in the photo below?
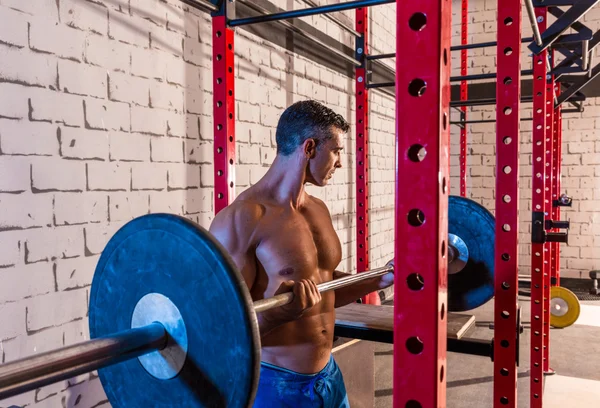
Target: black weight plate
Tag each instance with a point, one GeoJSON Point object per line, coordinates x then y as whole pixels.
{"type": "Point", "coordinates": [170, 255]}
{"type": "Point", "coordinates": [475, 225]}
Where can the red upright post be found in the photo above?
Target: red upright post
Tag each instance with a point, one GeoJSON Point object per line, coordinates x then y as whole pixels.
{"type": "Point", "coordinates": [464, 24]}
{"type": "Point", "coordinates": [223, 112]}
{"type": "Point", "coordinates": [548, 246]}
{"type": "Point", "coordinates": [538, 266]}
{"type": "Point", "coordinates": [557, 163]}
{"type": "Point", "coordinates": [508, 94]}
{"type": "Point", "coordinates": [362, 150]}
{"type": "Point", "coordinates": [556, 186]}
{"type": "Point", "coordinates": [421, 223]}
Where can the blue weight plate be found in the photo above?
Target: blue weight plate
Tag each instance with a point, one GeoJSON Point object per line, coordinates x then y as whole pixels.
{"type": "Point", "coordinates": [170, 256]}
{"type": "Point", "coordinates": [473, 285]}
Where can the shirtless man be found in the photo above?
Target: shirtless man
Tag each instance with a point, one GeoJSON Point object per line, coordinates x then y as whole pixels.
{"type": "Point", "coordinates": [282, 239]}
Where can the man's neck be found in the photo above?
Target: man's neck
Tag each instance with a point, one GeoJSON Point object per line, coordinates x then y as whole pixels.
{"type": "Point", "coordinates": [285, 180]}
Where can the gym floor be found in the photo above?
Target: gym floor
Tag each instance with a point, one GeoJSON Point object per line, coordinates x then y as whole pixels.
{"type": "Point", "coordinates": [574, 355]}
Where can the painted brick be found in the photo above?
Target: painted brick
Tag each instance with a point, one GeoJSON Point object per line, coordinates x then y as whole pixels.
{"type": "Point", "coordinates": [14, 103]}
{"type": "Point", "coordinates": [84, 15]}
{"type": "Point", "coordinates": [126, 88]}
{"type": "Point", "coordinates": [176, 71]}
{"type": "Point", "coordinates": [193, 52]}
{"type": "Point", "coordinates": [165, 40]}
{"type": "Point", "coordinates": [128, 29]}
{"type": "Point", "coordinates": [18, 168]}
{"type": "Point", "coordinates": [76, 272]}
{"type": "Point", "coordinates": [23, 66]}
{"type": "Point", "coordinates": [249, 154]}
{"type": "Point", "coordinates": [56, 308]}
{"type": "Point", "coordinates": [26, 281]}
{"type": "Point", "coordinates": [25, 211]}
{"type": "Point", "coordinates": [146, 176]}
{"type": "Point", "coordinates": [76, 208]}
{"type": "Point", "coordinates": [107, 53]}
{"type": "Point", "coordinates": [207, 175]}
{"type": "Point", "coordinates": [87, 394]}
{"type": "Point", "coordinates": [82, 144]}
{"type": "Point", "coordinates": [198, 200]}
{"type": "Point", "coordinates": [126, 206]}
{"type": "Point", "coordinates": [198, 152]}
{"type": "Point", "coordinates": [82, 79]}
{"type": "Point", "coordinates": [146, 120]}
{"type": "Point", "coordinates": [176, 124]}
{"type": "Point", "coordinates": [166, 149]}
{"type": "Point", "coordinates": [13, 318]}
{"type": "Point", "coordinates": [163, 95]}
{"type": "Point", "coordinates": [97, 235]}
{"type": "Point", "coordinates": [102, 114]}
{"type": "Point", "coordinates": [54, 38]}
{"type": "Point", "coordinates": [11, 251]}
{"type": "Point", "coordinates": [46, 8]}
{"type": "Point", "coordinates": [27, 345]}
{"type": "Point", "coordinates": [256, 173]}
{"type": "Point", "coordinates": [154, 11]}
{"type": "Point", "coordinates": [56, 106]}
{"type": "Point", "coordinates": [181, 176]}
{"type": "Point", "coordinates": [54, 174]}
{"type": "Point", "coordinates": [148, 63]}
{"type": "Point", "coordinates": [14, 28]}
{"type": "Point", "coordinates": [192, 126]}
{"type": "Point", "coordinates": [170, 202]}
{"type": "Point", "coordinates": [129, 146]}
{"type": "Point", "coordinates": [108, 176]}
{"type": "Point", "coordinates": [53, 243]}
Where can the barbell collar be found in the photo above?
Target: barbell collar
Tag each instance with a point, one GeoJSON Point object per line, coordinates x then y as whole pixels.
{"type": "Point", "coordinates": [47, 368]}
{"type": "Point", "coordinates": [286, 298]}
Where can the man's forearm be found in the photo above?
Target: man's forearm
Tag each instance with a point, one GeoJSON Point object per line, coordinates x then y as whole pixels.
{"type": "Point", "coordinates": [355, 291]}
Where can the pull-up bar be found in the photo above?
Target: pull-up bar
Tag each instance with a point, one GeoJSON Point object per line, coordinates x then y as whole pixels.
{"type": "Point", "coordinates": [330, 8]}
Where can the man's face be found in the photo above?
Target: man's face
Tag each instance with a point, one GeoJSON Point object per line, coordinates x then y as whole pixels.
{"type": "Point", "coordinates": [327, 159]}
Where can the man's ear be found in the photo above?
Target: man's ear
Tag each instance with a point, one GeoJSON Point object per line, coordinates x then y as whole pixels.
{"type": "Point", "coordinates": [309, 148]}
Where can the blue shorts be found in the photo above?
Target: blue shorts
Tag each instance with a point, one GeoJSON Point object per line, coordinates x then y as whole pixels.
{"type": "Point", "coordinates": [281, 388]}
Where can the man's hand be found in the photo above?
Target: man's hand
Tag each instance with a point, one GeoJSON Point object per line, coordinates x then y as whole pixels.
{"type": "Point", "coordinates": [388, 278]}
{"type": "Point", "coordinates": [306, 295]}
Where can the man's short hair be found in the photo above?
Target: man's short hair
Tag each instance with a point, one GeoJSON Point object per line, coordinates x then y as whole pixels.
{"type": "Point", "coordinates": [304, 120]}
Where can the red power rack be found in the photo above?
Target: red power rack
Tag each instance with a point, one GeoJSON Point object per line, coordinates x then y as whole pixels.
{"type": "Point", "coordinates": [362, 150]}
{"type": "Point", "coordinates": [538, 258]}
{"type": "Point", "coordinates": [421, 225]}
{"type": "Point", "coordinates": [223, 112]}
{"type": "Point", "coordinates": [508, 102]}
{"type": "Point", "coordinates": [464, 24]}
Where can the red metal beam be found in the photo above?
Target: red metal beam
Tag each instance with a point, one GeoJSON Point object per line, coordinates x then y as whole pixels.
{"type": "Point", "coordinates": [362, 152]}
{"type": "Point", "coordinates": [557, 161]}
{"type": "Point", "coordinates": [556, 177]}
{"type": "Point", "coordinates": [507, 202]}
{"type": "Point", "coordinates": [464, 24]}
{"type": "Point", "coordinates": [538, 266]}
{"type": "Point", "coordinates": [223, 113]}
{"type": "Point", "coordinates": [548, 202]}
{"type": "Point", "coordinates": [423, 33]}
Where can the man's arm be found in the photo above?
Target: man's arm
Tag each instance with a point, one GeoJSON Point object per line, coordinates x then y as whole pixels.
{"type": "Point", "coordinates": [234, 228]}
{"type": "Point", "coordinates": [350, 294]}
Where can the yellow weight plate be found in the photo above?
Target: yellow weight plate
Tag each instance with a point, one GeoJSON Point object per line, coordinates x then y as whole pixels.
{"type": "Point", "coordinates": [564, 307]}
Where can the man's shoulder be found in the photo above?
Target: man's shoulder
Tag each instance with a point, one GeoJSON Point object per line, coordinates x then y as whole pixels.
{"type": "Point", "coordinates": [318, 203]}
{"type": "Point", "coordinates": [245, 211]}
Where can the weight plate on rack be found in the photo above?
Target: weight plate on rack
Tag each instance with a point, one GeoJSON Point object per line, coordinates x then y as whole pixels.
{"type": "Point", "coordinates": [472, 226]}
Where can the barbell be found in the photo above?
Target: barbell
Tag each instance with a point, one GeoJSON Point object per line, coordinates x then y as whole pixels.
{"type": "Point", "coordinates": [168, 304]}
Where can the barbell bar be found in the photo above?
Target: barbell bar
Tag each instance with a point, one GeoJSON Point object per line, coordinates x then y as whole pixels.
{"type": "Point", "coordinates": [47, 368]}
